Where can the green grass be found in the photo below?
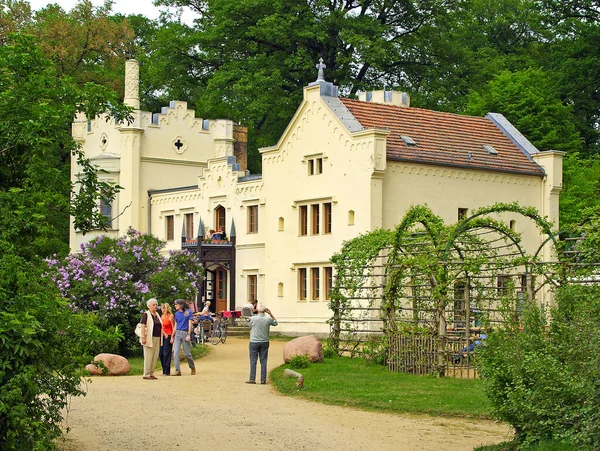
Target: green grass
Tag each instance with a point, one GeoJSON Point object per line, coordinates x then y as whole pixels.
{"type": "Point", "coordinates": [356, 383]}
{"type": "Point", "coordinates": [136, 364]}
{"type": "Point", "coordinates": [542, 446]}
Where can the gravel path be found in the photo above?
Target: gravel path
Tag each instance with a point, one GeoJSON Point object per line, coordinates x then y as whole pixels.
{"type": "Point", "coordinates": [216, 409]}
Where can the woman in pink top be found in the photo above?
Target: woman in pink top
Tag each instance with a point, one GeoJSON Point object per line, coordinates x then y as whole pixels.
{"type": "Point", "coordinates": [168, 324]}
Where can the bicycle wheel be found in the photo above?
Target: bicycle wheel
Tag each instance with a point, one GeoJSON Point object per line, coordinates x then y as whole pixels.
{"type": "Point", "coordinates": [224, 335]}
{"type": "Point", "coordinates": [215, 337]}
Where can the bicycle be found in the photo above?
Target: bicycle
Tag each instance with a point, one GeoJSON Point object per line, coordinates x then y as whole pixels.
{"type": "Point", "coordinates": [219, 332]}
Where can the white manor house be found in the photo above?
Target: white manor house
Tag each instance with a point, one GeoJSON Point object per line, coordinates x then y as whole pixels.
{"type": "Point", "coordinates": [341, 168]}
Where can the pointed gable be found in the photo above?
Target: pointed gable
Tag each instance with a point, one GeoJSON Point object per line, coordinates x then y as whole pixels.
{"type": "Point", "coordinates": [443, 138]}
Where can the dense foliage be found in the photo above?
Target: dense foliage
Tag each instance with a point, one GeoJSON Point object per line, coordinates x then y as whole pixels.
{"type": "Point", "coordinates": [114, 278]}
{"type": "Point", "coordinates": [533, 61]}
{"type": "Point", "coordinates": [542, 371]}
{"type": "Point", "coordinates": [543, 377]}
{"type": "Point", "coordinates": [43, 345]}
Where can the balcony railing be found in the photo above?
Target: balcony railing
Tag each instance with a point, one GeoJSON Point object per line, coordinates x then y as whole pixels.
{"type": "Point", "coordinates": [185, 243]}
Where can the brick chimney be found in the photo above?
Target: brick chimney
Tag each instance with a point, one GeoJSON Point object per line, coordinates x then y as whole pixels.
{"type": "Point", "coordinates": [240, 146]}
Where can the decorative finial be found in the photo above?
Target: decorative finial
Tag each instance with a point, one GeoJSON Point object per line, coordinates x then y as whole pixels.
{"type": "Point", "coordinates": [320, 67]}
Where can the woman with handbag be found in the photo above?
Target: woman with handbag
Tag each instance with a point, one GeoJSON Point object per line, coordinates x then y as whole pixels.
{"type": "Point", "coordinates": [151, 337]}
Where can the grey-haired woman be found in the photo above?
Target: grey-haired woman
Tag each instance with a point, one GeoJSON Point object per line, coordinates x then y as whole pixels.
{"type": "Point", "coordinates": [151, 337]}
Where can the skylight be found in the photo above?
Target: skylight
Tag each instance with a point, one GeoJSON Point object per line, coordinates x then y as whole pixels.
{"type": "Point", "coordinates": [490, 150]}
{"type": "Point", "coordinates": [408, 140]}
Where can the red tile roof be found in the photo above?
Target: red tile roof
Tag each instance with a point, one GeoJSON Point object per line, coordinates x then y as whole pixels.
{"type": "Point", "coordinates": [442, 138]}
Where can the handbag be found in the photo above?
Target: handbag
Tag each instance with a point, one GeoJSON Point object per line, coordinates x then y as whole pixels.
{"type": "Point", "coordinates": [138, 329]}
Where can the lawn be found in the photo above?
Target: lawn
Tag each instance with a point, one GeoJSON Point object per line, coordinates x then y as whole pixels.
{"type": "Point", "coordinates": [357, 383]}
{"type": "Point", "coordinates": [136, 364]}
{"type": "Point", "coordinates": [543, 446]}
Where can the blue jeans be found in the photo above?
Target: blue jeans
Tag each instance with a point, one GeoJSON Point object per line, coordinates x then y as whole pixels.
{"type": "Point", "coordinates": [165, 355]}
{"type": "Point", "coordinates": [259, 350]}
{"type": "Point", "coordinates": [180, 338]}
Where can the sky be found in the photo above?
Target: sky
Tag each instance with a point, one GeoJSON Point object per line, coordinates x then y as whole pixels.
{"type": "Point", "coordinates": [125, 7]}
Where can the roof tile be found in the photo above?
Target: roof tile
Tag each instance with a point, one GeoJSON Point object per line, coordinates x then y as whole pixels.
{"type": "Point", "coordinates": [442, 138]}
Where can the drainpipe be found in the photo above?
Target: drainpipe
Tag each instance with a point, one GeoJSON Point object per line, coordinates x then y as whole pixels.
{"type": "Point", "coordinates": [149, 213]}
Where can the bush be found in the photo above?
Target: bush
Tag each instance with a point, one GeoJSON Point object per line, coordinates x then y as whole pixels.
{"type": "Point", "coordinates": [299, 361]}
{"type": "Point", "coordinates": [113, 278]}
{"type": "Point", "coordinates": [43, 347]}
{"type": "Point", "coordinates": [329, 351]}
{"type": "Point", "coordinates": [544, 379]}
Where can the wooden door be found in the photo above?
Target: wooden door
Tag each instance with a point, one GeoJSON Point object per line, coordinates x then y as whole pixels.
{"type": "Point", "coordinates": [221, 290]}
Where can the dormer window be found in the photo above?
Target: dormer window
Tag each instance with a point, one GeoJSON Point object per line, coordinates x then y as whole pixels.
{"type": "Point", "coordinates": [490, 150]}
{"type": "Point", "coordinates": [408, 140]}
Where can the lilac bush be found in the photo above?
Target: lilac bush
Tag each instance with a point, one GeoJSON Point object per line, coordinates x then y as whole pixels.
{"type": "Point", "coordinates": [114, 278]}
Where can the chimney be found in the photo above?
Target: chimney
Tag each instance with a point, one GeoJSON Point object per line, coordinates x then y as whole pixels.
{"type": "Point", "coordinates": [397, 98]}
{"type": "Point", "coordinates": [240, 146]}
{"type": "Point", "coordinates": [132, 84]}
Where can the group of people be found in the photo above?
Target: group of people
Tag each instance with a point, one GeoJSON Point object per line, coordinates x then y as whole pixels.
{"type": "Point", "coordinates": [163, 334]}
{"type": "Point", "coordinates": [216, 235]}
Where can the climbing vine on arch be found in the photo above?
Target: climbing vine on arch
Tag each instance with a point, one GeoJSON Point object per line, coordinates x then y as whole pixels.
{"type": "Point", "coordinates": [405, 279]}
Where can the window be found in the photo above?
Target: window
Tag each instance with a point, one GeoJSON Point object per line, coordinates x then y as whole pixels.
{"type": "Point", "coordinates": [170, 225]}
{"type": "Point", "coordinates": [281, 224]}
{"type": "Point", "coordinates": [327, 217]}
{"type": "Point", "coordinates": [253, 219]}
{"type": "Point", "coordinates": [280, 289]}
{"type": "Point", "coordinates": [189, 225]}
{"type": "Point", "coordinates": [302, 283]}
{"type": "Point", "coordinates": [512, 224]}
{"type": "Point", "coordinates": [106, 209]}
{"type": "Point", "coordinates": [220, 217]}
{"type": "Point", "coordinates": [315, 218]}
{"type": "Point", "coordinates": [523, 282]}
{"type": "Point", "coordinates": [304, 220]}
{"type": "Point", "coordinates": [328, 281]}
{"type": "Point", "coordinates": [315, 166]}
{"type": "Point", "coordinates": [321, 219]}
{"type": "Point", "coordinates": [462, 213]}
{"type": "Point", "coordinates": [252, 287]}
{"type": "Point", "coordinates": [504, 285]}
{"type": "Point", "coordinates": [315, 282]}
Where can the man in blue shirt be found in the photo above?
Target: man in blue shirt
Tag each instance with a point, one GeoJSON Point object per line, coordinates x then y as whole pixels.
{"type": "Point", "coordinates": [259, 342]}
{"type": "Point", "coordinates": [183, 329]}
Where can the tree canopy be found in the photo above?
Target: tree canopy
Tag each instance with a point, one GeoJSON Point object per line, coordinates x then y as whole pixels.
{"type": "Point", "coordinates": [43, 345]}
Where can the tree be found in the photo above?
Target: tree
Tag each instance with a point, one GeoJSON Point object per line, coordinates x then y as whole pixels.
{"type": "Point", "coordinates": [581, 188]}
{"type": "Point", "coordinates": [573, 57]}
{"type": "Point", "coordinates": [43, 349]}
{"type": "Point", "coordinates": [36, 110]}
{"type": "Point", "coordinates": [85, 43]}
{"type": "Point", "coordinates": [528, 99]}
{"type": "Point", "coordinates": [253, 57]}
{"type": "Point", "coordinates": [43, 346]}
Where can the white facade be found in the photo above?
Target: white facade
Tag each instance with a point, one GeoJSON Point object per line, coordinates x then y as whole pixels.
{"type": "Point", "coordinates": [328, 179]}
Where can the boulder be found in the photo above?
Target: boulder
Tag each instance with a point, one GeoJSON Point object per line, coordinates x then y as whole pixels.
{"type": "Point", "coordinates": [309, 346]}
{"type": "Point", "coordinates": [116, 365]}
